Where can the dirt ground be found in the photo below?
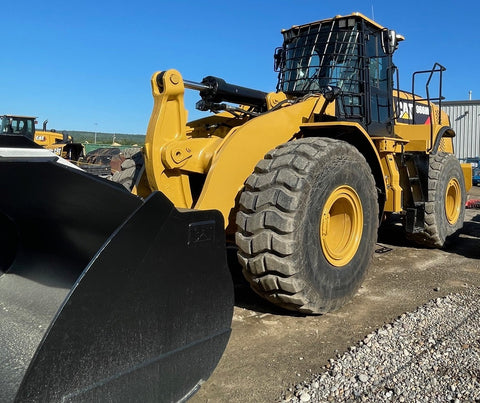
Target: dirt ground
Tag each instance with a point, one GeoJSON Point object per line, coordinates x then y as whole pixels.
{"type": "Point", "coordinates": [270, 350]}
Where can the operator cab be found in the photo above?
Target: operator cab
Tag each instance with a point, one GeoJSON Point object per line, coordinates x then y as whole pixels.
{"type": "Point", "coordinates": [18, 125]}
{"type": "Point", "coordinates": [348, 56]}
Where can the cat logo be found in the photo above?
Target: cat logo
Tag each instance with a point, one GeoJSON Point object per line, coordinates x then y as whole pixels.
{"type": "Point", "coordinates": [410, 115]}
{"type": "Point", "coordinates": [39, 138]}
{"type": "Point", "coordinates": [405, 109]}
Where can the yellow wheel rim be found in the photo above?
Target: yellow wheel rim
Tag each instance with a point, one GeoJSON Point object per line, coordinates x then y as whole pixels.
{"type": "Point", "coordinates": [341, 226]}
{"type": "Point", "coordinates": [453, 200]}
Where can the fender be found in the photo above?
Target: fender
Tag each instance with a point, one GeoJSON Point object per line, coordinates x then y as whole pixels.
{"type": "Point", "coordinates": [353, 133]}
{"type": "Point", "coordinates": [444, 133]}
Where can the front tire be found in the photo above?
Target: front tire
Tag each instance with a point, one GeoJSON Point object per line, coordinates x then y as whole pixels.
{"type": "Point", "coordinates": [307, 224]}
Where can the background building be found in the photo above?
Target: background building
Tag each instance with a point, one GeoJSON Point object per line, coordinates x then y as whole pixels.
{"type": "Point", "coordinates": [465, 120]}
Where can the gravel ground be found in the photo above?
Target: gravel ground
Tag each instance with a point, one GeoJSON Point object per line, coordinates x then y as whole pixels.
{"type": "Point", "coordinates": [431, 354]}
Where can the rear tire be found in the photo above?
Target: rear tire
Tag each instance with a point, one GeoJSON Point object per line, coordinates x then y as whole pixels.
{"type": "Point", "coordinates": [130, 168]}
{"type": "Point", "coordinates": [445, 207]}
{"type": "Point", "coordinates": [307, 224]}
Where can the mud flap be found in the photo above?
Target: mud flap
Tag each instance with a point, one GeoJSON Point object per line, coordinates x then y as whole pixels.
{"type": "Point", "coordinates": [104, 296]}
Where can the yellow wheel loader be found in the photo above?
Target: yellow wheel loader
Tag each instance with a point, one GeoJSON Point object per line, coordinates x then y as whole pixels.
{"type": "Point", "coordinates": [109, 294]}
{"type": "Point", "coordinates": [61, 144]}
{"type": "Point", "coordinates": [303, 176]}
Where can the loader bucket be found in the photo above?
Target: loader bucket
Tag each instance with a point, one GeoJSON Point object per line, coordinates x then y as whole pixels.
{"type": "Point", "coordinates": [105, 296]}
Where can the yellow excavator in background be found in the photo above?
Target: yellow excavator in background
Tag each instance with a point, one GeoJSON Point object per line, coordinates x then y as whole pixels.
{"type": "Point", "coordinates": [115, 295]}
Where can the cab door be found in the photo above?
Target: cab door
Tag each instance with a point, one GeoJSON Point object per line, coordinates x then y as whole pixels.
{"type": "Point", "coordinates": [380, 77]}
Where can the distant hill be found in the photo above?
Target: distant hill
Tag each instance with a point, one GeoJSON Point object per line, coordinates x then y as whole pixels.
{"type": "Point", "coordinates": [106, 138]}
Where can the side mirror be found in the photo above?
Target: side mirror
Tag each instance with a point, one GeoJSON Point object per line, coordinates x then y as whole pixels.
{"type": "Point", "coordinates": [391, 40]}
{"type": "Point", "coordinates": [279, 59]}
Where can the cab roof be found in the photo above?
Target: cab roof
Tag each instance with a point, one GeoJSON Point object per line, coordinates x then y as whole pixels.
{"type": "Point", "coordinates": [18, 116]}
{"type": "Point", "coordinates": [338, 17]}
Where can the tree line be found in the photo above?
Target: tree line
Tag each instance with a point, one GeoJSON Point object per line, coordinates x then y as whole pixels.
{"type": "Point", "coordinates": [106, 138]}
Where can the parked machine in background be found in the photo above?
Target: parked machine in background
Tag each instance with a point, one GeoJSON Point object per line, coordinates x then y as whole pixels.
{"type": "Point", "coordinates": [475, 163]}
{"type": "Point", "coordinates": [61, 144]}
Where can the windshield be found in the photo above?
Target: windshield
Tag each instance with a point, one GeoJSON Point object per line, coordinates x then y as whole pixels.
{"type": "Point", "coordinates": [321, 55]}
{"type": "Point", "coordinates": [18, 125]}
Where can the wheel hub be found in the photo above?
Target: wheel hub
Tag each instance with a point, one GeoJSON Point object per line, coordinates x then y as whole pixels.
{"type": "Point", "coordinates": [341, 226]}
{"type": "Point", "coordinates": [453, 199]}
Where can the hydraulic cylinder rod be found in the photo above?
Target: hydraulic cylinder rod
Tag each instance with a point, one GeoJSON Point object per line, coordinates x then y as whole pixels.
{"type": "Point", "coordinates": [215, 90]}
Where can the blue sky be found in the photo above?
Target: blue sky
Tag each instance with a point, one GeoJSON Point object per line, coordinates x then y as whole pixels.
{"type": "Point", "coordinates": [87, 65]}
